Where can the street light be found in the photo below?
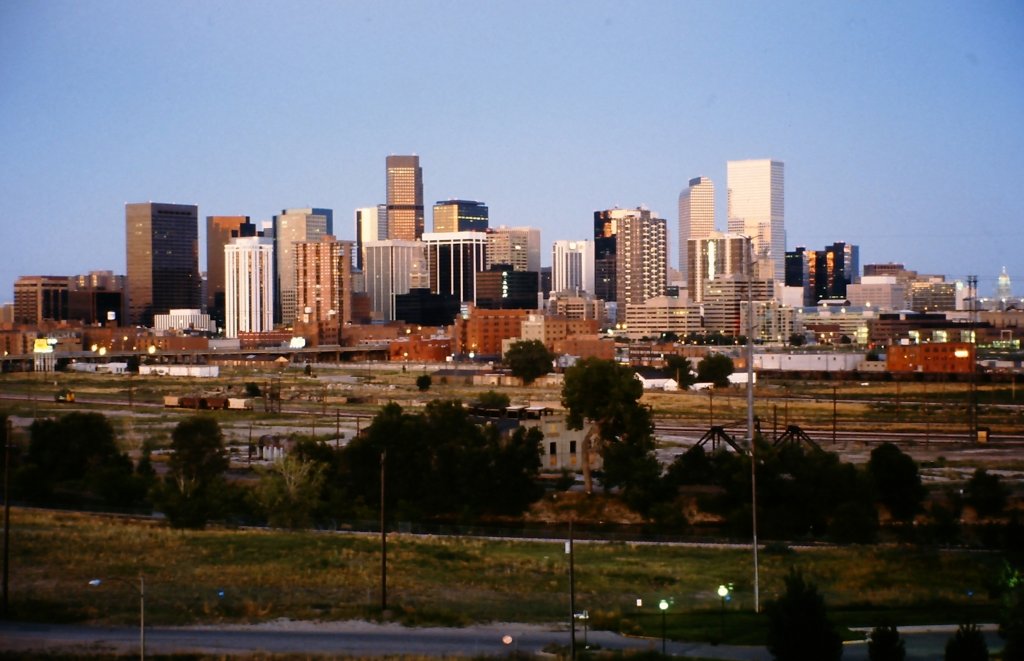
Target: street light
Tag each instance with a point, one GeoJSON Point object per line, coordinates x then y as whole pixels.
{"type": "Point", "coordinates": [663, 605]}
{"type": "Point", "coordinates": [141, 589]}
{"type": "Point", "coordinates": [723, 592]}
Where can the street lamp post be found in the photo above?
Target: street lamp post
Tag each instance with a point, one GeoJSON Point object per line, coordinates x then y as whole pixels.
{"type": "Point", "coordinates": [663, 605]}
{"type": "Point", "coordinates": [723, 593]}
{"type": "Point", "coordinates": [141, 589]}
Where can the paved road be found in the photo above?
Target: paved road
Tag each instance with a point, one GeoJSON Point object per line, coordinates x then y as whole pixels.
{"type": "Point", "coordinates": [337, 638]}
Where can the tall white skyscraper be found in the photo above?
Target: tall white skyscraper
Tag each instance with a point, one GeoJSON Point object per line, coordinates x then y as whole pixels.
{"type": "Point", "coordinates": [696, 217]}
{"type": "Point", "coordinates": [371, 225]}
{"type": "Point", "coordinates": [757, 209]}
{"type": "Point", "coordinates": [572, 266]}
{"type": "Point", "coordinates": [390, 268]}
{"type": "Point", "coordinates": [248, 285]}
{"type": "Point", "coordinates": [290, 227]}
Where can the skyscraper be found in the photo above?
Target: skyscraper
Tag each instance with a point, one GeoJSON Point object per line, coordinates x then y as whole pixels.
{"type": "Point", "coordinates": [696, 217]}
{"type": "Point", "coordinates": [713, 257]}
{"type": "Point", "coordinates": [371, 225]}
{"type": "Point", "coordinates": [572, 266]}
{"type": "Point", "coordinates": [392, 268]}
{"type": "Point", "coordinates": [757, 210]}
{"type": "Point", "coordinates": [453, 260]}
{"type": "Point", "coordinates": [39, 298]}
{"type": "Point", "coordinates": [163, 259]}
{"type": "Point", "coordinates": [518, 247]}
{"type": "Point", "coordinates": [219, 232]}
{"type": "Point", "coordinates": [248, 285]}
{"type": "Point", "coordinates": [405, 198]}
{"type": "Point", "coordinates": [290, 227]}
{"type": "Point", "coordinates": [323, 282]}
{"type": "Point", "coordinates": [460, 216]}
{"type": "Point", "coordinates": [641, 255]}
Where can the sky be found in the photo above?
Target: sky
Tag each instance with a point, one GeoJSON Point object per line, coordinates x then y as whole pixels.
{"type": "Point", "coordinates": [901, 124]}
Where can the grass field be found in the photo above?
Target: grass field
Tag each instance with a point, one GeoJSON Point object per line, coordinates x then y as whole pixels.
{"type": "Point", "coordinates": [455, 581]}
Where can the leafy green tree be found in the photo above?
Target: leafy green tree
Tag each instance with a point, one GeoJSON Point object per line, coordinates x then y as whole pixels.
{"type": "Point", "coordinates": [252, 389]}
{"type": "Point", "coordinates": [986, 493]}
{"type": "Point", "coordinates": [798, 624]}
{"type": "Point", "coordinates": [1011, 617]}
{"type": "Point", "coordinates": [528, 360]}
{"type": "Point", "coordinates": [885, 644]}
{"type": "Point", "coordinates": [895, 481]}
{"type": "Point", "coordinates": [290, 490]}
{"type": "Point", "coordinates": [606, 395]}
{"type": "Point", "coordinates": [715, 368]}
{"type": "Point", "coordinates": [423, 382]}
{"type": "Point", "coordinates": [492, 399]}
{"type": "Point", "coordinates": [194, 485]}
{"type": "Point", "coordinates": [967, 644]}
{"type": "Point", "coordinates": [679, 368]}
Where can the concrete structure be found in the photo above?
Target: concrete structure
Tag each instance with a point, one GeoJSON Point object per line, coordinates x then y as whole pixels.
{"type": "Point", "coordinates": [572, 266]}
{"type": "Point", "coordinates": [641, 258]}
{"type": "Point", "coordinates": [460, 216]}
{"type": "Point", "coordinates": [696, 218]}
{"type": "Point", "coordinates": [577, 307]}
{"type": "Point", "coordinates": [932, 294]}
{"type": "Point", "coordinates": [501, 288]}
{"type": "Point", "coordinates": [162, 246]}
{"type": "Point", "coordinates": [40, 298]}
{"type": "Point", "coordinates": [97, 297]}
{"type": "Point", "coordinates": [392, 268]}
{"type": "Point", "coordinates": [931, 358]}
{"type": "Point", "coordinates": [662, 314]}
{"type": "Point", "coordinates": [195, 321]}
{"type": "Point", "coordinates": [518, 247]}
{"type": "Point", "coordinates": [404, 198]}
{"type": "Point", "coordinates": [453, 260]}
{"type": "Point", "coordinates": [885, 292]}
{"type": "Point", "coordinates": [478, 333]}
{"type": "Point", "coordinates": [757, 209]}
{"type": "Point", "coordinates": [714, 256]}
{"type": "Point", "coordinates": [249, 286]}
{"type": "Point", "coordinates": [551, 330]}
{"type": "Point", "coordinates": [323, 287]}
{"type": "Point", "coordinates": [219, 232]}
{"type": "Point", "coordinates": [293, 226]}
{"type": "Point", "coordinates": [371, 225]}
{"type": "Point", "coordinates": [808, 362]}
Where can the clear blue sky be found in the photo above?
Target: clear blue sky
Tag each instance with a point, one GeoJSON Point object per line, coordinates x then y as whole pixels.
{"type": "Point", "coordinates": [901, 123]}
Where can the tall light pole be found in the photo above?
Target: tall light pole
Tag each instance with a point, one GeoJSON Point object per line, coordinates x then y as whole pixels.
{"type": "Point", "coordinates": [663, 606]}
{"type": "Point", "coordinates": [141, 589]}
{"type": "Point", "coordinates": [750, 417]}
{"type": "Point", "coordinates": [8, 437]}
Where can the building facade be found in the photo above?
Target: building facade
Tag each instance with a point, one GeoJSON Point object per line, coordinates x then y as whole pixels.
{"type": "Point", "coordinates": [696, 218]}
{"type": "Point", "coordinates": [248, 286]}
{"type": "Point", "coordinates": [712, 257]}
{"type": "Point", "coordinates": [219, 232]}
{"type": "Point", "coordinates": [40, 298]}
{"type": "Point", "coordinates": [392, 268]}
{"type": "Point", "coordinates": [756, 199]}
{"type": "Point", "coordinates": [293, 226]}
{"type": "Point", "coordinates": [453, 260]}
{"type": "Point", "coordinates": [371, 225]}
{"type": "Point", "coordinates": [162, 245]}
{"type": "Point", "coordinates": [404, 198]}
{"type": "Point", "coordinates": [641, 256]}
{"type": "Point", "coordinates": [324, 285]}
{"type": "Point", "coordinates": [518, 247]}
{"type": "Point", "coordinates": [572, 267]}
{"type": "Point", "coordinates": [460, 216]}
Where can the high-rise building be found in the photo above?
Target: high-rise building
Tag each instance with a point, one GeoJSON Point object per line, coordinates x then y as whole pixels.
{"type": "Point", "coordinates": [371, 225]}
{"type": "Point", "coordinates": [292, 226]}
{"type": "Point", "coordinates": [392, 268]}
{"type": "Point", "coordinates": [453, 260]}
{"type": "Point", "coordinates": [696, 217]}
{"type": "Point", "coordinates": [97, 297]}
{"type": "Point", "coordinates": [405, 198]}
{"type": "Point", "coordinates": [518, 247]}
{"type": "Point", "coordinates": [219, 232]}
{"type": "Point", "coordinates": [39, 298]}
{"type": "Point", "coordinates": [606, 225]}
{"type": "Point", "coordinates": [248, 285]}
{"type": "Point", "coordinates": [829, 271]}
{"type": "Point", "coordinates": [162, 242]}
{"type": "Point", "coordinates": [460, 216]}
{"type": "Point", "coordinates": [505, 289]}
{"type": "Point", "coordinates": [641, 256]}
{"type": "Point", "coordinates": [757, 209]}
{"type": "Point", "coordinates": [572, 266]}
{"type": "Point", "coordinates": [323, 280]}
{"type": "Point", "coordinates": [713, 257]}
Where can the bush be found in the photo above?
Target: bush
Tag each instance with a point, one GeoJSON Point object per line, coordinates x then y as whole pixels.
{"type": "Point", "coordinates": [423, 382]}
{"type": "Point", "coordinates": [798, 625]}
{"type": "Point", "coordinates": [885, 644]}
{"type": "Point", "coordinates": [967, 644]}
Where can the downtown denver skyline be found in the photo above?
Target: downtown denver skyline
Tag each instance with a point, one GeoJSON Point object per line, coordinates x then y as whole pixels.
{"type": "Point", "coordinates": [899, 125]}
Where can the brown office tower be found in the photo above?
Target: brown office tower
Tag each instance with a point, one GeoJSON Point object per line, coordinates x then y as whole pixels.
{"type": "Point", "coordinates": [163, 259]}
{"type": "Point", "coordinates": [405, 198]}
{"type": "Point", "coordinates": [323, 288]}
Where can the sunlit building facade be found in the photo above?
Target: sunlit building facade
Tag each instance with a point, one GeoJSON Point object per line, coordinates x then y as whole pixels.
{"type": "Point", "coordinates": [572, 266]}
{"type": "Point", "coordinates": [404, 198]}
{"type": "Point", "coordinates": [248, 286]}
{"type": "Point", "coordinates": [162, 245]}
{"type": "Point", "coordinates": [293, 226]}
{"type": "Point", "coordinates": [371, 225]}
{"type": "Point", "coordinates": [756, 199]}
{"type": "Point", "coordinates": [460, 216]}
{"type": "Point", "coordinates": [696, 217]}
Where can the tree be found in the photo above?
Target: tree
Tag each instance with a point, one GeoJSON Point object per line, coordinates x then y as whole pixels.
{"type": "Point", "coordinates": [986, 493]}
{"type": "Point", "coordinates": [493, 400]}
{"type": "Point", "coordinates": [895, 481]}
{"type": "Point", "coordinates": [289, 491]}
{"type": "Point", "coordinates": [679, 368]}
{"type": "Point", "coordinates": [194, 482]}
{"type": "Point", "coordinates": [528, 360]}
{"type": "Point", "coordinates": [798, 625]}
{"type": "Point", "coordinates": [423, 382]}
{"type": "Point", "coordinates": [797, 339]}
{"type": "Point", "coordinates": [715, 368]}
{"type": "Point", "coordinates": [1011, 620]}
{"type": "Point", "coordinates": [967, 644]}
{"type": "Point", "coordinates": [608, 396]}
{"type": "Point", "coordinates": [885, 644]}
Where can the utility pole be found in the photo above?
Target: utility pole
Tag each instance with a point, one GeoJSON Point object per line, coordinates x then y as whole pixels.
{"type": "Point", "coordinates": [750, 418]}
{"type": "Point", "coordinates": [383, 538]}
{"type": "Point", "coordinates": [972, 415]}
{"type": "Point", "coordinates": [8, 436]}
{"type": "Point", "coordinates": [572, 596]}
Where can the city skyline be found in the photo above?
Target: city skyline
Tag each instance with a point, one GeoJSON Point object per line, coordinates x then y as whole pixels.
{"type": "Point", "coordinates": [896, 123]}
